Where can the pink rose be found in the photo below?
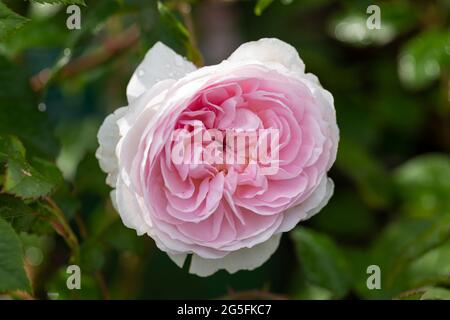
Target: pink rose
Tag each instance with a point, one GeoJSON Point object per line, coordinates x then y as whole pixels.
{"type": "Point", "coordinates": [228, 215]}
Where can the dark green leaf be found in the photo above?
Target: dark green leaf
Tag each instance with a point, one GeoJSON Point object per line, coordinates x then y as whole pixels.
{"type": "Point", "coordinates": [366, 171]}
{"type": "Point", "coordinates": [27, 179]}
{"type": "Point", "coordinates": [322, 261]}
{"type": "Point", "coordinates": [12, 273]}
{"type": "Point", "coordinates": [436, 294]}
{"type": "Point", "coordinates": [424, 185]}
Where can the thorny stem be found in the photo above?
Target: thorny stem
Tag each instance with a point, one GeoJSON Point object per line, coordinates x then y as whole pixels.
{"type": "Point", "coordinates": [63, 228]}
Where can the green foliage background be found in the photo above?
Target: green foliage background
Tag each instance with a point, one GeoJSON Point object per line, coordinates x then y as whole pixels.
{"type": "Point", "coordinates": [391, 206]}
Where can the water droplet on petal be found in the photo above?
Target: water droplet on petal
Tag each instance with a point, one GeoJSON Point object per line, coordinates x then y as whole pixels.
{"type": "Point", "coordinates": [178, 61]}
{"type": "Point", "coordinates": [141, 73]}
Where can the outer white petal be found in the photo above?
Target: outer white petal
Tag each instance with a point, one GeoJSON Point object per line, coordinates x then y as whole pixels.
{"type": "Point", "coordinates": [243, 259]}
{"type": "Point", "coordinates": [315, 202]}
{"type": "Point", "coordinates": [178, 258]}
{"type": "Point", "coordinates": [108, 137]}
{"type": "Point", "coordinates": [160, 63]}
{"type": "Point", "coordinates": [128, 207]}
{"type": "Point", "coordinates": [270, 50]}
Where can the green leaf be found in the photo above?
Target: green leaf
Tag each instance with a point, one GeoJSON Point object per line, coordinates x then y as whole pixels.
{"type": "Point", "coordinates": [423, 184]}
{"type": "Point", "coordinates": [436, 294]}
{"type": "Point", "coordinates": [28, 180]}
{"type": "Point", "coordinates": [262, 5]}
{"type": "Point", "coordinates": [12, 273]}
{"type": "Point", "coordinates": [431, 237]}
{"type": "Point", "coordinates": [322, 261]}
{"type": "Point", "coordinates": [24, 217]}
{"type": "Point", "coordinates": [411, 252]}
{"type": "Point", "coordinates": [429, 293]}
{"type": "Point", "coordinates": [424, 58]}
{"type": "Point", "coordinates": [178, 34]}
{"type": "Point", "coordinates": [432, 268]}
{"type": "Point", "coordinates": [9, 21]}
{"type": "Point", "coordinates": [10, 146]}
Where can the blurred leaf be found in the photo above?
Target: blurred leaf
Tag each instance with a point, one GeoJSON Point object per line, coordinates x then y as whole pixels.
{"type": "Point", "coordinates": [429, 293]}
{"type": "Point", "coordinates": [90, 178]}
{"type": "Point", "coordinates": [404, 253]}
{"type": "Point", "coordinates": [436, 294]}
{"type": "Point", "coordinates": [122, 238]}
{"type": "Point", "coordinates": [16, 101]}
{"type": "Point", "coordinates": [36, 34]}
{"type": "Point", "coordinates": [369, 175]}
{"type": "Point", "coordinates": [424, 185]}
{"type": "Point", "coordinates": [12, 273]}
{"type": "Point", "coordinates": [351, 27]}
{"type": "Point", "coordinates": [432, 268]}
{"type": "Point", "coordinates": [92, 256]}
{"type": "Point", "coordinates": [26, 179]}
{"type": "Point", "coordinates": [315, 293]}
{"type": "Point", "coordinates": [424, 57]}
{"type": "Point", "coordinates": [9, 21]}
{"type": "Point", "coordinates": [436, 234]}
{"type": "Point", "coordinates": [262, 5]}
{"type": "Point", "coordinates": [178, 33]}
{"type": "Point", "coordinates": [359, 259]}
{"type": "Point", "coordinates": [322, 261]}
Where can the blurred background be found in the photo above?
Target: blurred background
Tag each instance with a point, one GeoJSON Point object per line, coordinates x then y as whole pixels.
{"type": "Point", "coordinates": [391, 206]}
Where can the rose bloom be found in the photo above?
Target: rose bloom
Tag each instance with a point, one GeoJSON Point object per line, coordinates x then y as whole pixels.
{"type": "Point", "coordinates": [228, 216]}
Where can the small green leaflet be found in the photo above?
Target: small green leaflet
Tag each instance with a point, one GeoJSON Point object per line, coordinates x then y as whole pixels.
{"type": "Point", "coordinates": [24, 179]}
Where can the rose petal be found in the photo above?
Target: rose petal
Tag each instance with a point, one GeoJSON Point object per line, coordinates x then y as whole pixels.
{"type": "Point", "coordinates": [270, 50]}
{"type": "Point", "coordinates": [160, 63]}
{"type": "Point", "coordinates": [243, 259]}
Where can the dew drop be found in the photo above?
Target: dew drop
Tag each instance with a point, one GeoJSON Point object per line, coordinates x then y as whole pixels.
{"type": "Point", "coordinates": [178, 61]}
